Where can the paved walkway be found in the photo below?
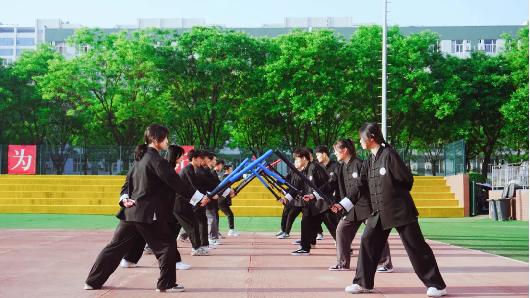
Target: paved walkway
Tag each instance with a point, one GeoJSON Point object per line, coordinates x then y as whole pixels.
{"type": "Point", "coordinates": [50, 263]}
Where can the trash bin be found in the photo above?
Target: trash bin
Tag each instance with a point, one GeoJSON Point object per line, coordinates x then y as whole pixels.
{"type": "Point", "coordinates": [493, 210]}
{"type": "Point", "coordinates": [503, 209]}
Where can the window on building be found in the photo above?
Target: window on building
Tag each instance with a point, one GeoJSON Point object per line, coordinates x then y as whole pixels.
{"type": "Point", "coordinates": [21, 51]}
{"type": "Point", "coordinates": [457, 46]}
{"type": "Point", "coordinates": [6, 41]}
{"type": "Point", "coordinates": [7, 29]}
{"type": "Point", "coordinates": [26, 30]}
{"type": "Point", "coordinates": [6, 52]}
{"type": "Point", "coordinates": [25, 42]}
{"type": "Point", "coordinates": [490, 45]}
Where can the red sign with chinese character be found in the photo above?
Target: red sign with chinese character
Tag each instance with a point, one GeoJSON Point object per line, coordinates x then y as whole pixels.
{"type": "Point", "coordinates": [21, 159]}
{"type": "Point", "coordinates": [184, 160]}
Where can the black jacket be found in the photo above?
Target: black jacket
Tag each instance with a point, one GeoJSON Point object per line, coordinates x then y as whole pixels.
{"type": "Point", "coordinates": [124, 191]}
{"type": "Point", "coordinates": [317, 174]}
{"type": "Point", "coordinates": [189, 174]}
{"type": "Point", "coordinates": [210, 181]}
{"type": "Point", "coordinates": [353, 184]}
{"type": "Point", "coordinates": [390, 182]}
{"type": "Point", "coordinates": [298, 183]}
{"type": "Point", "coordinates": [332, 168]}
{"type": "Point", "coordinates": [153, 184]}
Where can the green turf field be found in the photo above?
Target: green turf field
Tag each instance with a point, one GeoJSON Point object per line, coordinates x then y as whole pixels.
{"type": "Point", "coordinates": [508, 238]}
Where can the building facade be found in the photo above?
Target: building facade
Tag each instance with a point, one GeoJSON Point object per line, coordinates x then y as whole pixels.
{"type": "Point", "coordinates": [458, 41]}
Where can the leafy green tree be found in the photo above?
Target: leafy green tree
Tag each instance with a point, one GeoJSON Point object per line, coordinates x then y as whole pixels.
{"type": "Point", "coordinates": [211, 74]}
{"type": "Point", "coordinates": [27, 113]}
{"type": "Point", "coordinates": [307, 84]}
{"type": "Point", "coordinates": [515, 110]}
{"type": "Point", "coordinates": [115, 86]}
{"type": "Point", "coordinates": [486, 87]}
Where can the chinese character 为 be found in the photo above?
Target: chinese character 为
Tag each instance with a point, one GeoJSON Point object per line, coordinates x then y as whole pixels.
{"type": "Point", "coordinates": [24, 161]}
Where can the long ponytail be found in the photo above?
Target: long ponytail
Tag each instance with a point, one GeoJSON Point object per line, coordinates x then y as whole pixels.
{"type": "Point", "coordinates": [139, 151]}
{"type": "Point", "coordinates": [174, 153]}
{"type": "Point", "coordinates": [348, 144]}
{"type": "Point", "coordinates": [370, 130]}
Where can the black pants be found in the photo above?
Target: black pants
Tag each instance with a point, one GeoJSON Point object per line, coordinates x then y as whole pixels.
{"type": "Point", "coordinates": [319, 228]}
{"type": "Point", "coordinates": [202, 222]}
{"type": "Point", "coordinates": [310, 225]}
{"type": "Point", "coordinates": [330, 220]}
{"type": "Point", "coordinates": [189, 223]}
{"type": "Point", "coordinates": [420, 255]}
{"type": "Point", "coordinates": [285, 213]}
{"type": "Point", "coordinates": [159, 237]}
{"type": "Point", "coordinates": [225, 208]}
{"type": "Point", "coordinates": [137, 250]}
{"type": "Point", "coordinates": [292, 214]}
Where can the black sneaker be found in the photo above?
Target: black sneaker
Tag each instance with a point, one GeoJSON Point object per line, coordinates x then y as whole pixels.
{"type": "Point", "coordinates": [338, 268]}
{"type": "Point", "coordinates": [175, 289]}
{"type": "Point", "coordinates": [300, 252]}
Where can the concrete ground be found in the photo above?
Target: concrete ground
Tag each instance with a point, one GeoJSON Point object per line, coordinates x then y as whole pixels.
{"type": "Point", "coordinates": [54, 263]}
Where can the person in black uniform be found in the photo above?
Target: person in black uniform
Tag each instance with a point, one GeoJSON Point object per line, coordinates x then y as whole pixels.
{"type": "Point", "coordinates": [183, 212]}
{"type": "Point", "coordinates": [191, 174]}
{"type": "Point", "coordinates": [390, 182]}
{"type": "Point", "coordinates": [320, 231]}
{"type": "Point", "coordinates": [225, 201]}
{"type": "Point", "coordinates": [316, 208]}
{"type": "Point", "coordinates": [355, 204]}
{"type": "Point", "coordinates": [184, 218]}
{"type": "Point", "coordinates": [211, 180]}
{"type": "Point", "coordinates": [331, 166]}
{"type": "Point", "coordinates": [146, 215]}
{"type": "Point", "coordinates": [293, 207]}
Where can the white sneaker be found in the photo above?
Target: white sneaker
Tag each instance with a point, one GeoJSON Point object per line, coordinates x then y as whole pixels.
{"type": "Point", "coordinates": [214, 241]}
{"type": "Point", "coordinates": [126, 264]}
{"type": "Point", "coordinates": [383, 269]}
{"type": "Point", "coordinates": [88, 287]}
{"type": "Point", "coordinates": [356, 289]}
{"type": "Point", "coordinates": [207, 248]}
{"type": "Point", "coordinates": [148, 250]}
{"type": "Point", "coordinates": [182, 266]}
{"type": "Point", "coordinates": [320, 237]}
{"type": "Point", "coordinates": [278, 234]}
{"type": "Point", "coordinates": [199, 252]}
{"type": "Point", "coordinates": [283, 236]}
{"type": "Point", "coordinates": [233, 233]}
{"type": "Point", "coordinates": [175, 289]}
{"type": "Point", "coordinates": [434, 292]}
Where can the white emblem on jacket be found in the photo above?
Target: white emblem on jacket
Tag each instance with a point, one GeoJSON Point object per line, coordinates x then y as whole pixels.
{"type": "Point", "coordinates": [310, 178]}
{"type": "Point", "coordinates": [355, 175]}
{"type": "Point", "coordinates": [382, 171]}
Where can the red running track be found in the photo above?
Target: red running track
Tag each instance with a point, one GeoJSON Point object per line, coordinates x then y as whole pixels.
{"type": "Point", "coordinates": [51, 263]}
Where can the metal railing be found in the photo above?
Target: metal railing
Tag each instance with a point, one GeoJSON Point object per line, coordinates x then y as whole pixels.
{"type": "Point", "coordinates": [502, 175]}
{"type": "Point", "coordinates": [116, 160]}
{"type": "Point", "coordinates": [455, 158]}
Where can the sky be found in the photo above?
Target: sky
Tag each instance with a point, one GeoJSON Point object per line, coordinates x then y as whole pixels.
{"type": "Point", "coordinates": [251, 13]}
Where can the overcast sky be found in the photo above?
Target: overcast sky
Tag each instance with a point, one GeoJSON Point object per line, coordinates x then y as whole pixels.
{"type": "Point", "coordinates": [251, 13]}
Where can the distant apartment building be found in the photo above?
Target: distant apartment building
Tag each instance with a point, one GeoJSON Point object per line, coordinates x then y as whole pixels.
{"type": "Point", "coordinates": [458, 41]}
